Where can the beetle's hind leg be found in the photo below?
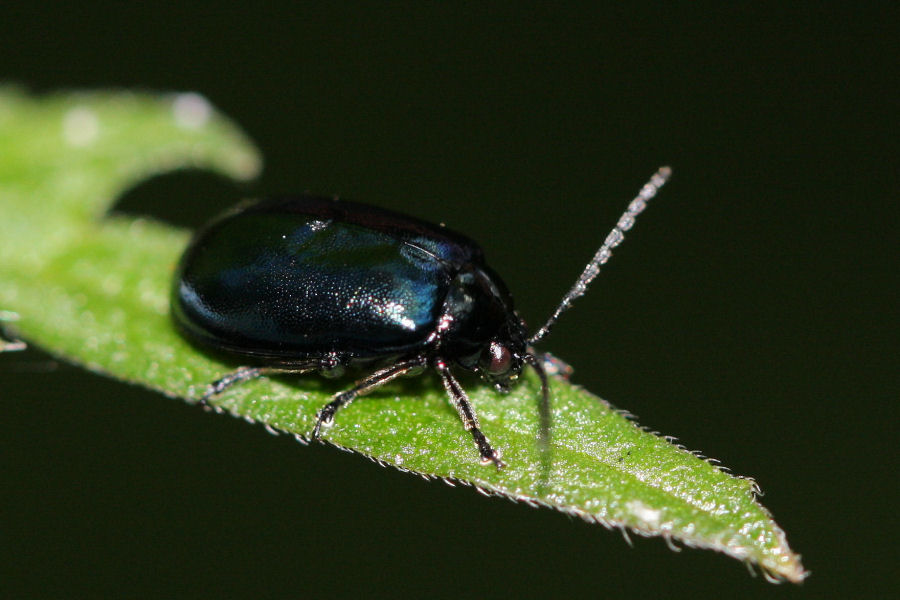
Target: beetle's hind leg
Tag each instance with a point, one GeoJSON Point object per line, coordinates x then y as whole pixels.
{"type": "Point", "coordinates": [467, 414]}
{"type": "Point", "coordinates": [243, 374]}
{"type": "Point", "coordinates": [326, 414]}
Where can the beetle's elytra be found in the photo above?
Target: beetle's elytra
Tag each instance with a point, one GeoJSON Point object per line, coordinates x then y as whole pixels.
{"type": "Point", "coordinates": [305, 283]}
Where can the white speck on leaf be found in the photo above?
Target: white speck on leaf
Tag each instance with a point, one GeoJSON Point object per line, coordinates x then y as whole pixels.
{"type": "Point", "coordinates": [650, 516]}
{"type": "Point", "coordinates": [191, 110]}
{"type": "Point", "coordinates": [80, 126]}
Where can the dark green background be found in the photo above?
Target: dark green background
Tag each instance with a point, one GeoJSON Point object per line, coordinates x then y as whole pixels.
{"type": "Point", "coordinates": [752, 313]}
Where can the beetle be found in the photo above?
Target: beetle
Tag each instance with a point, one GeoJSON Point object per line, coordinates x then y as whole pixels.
{"type": "Point", "coordinates": [307, 283]}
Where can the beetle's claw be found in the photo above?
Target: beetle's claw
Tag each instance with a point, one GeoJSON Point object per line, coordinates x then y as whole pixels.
{"type": "Point", "coordinates": [322, 418]}
{"type": "Point", "coordinates": [494, 457]}
{"type": "Point", "coordinates": [489, 454]}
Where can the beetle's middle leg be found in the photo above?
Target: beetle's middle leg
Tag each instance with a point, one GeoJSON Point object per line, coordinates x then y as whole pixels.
{"type": "Point", "coordinates": [378, 378]}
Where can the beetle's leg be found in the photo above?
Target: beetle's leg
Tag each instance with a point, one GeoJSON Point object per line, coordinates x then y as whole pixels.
{"type": "Point", "coordinates": [467, 415]}
{"type": "Point", "coordinates": [326, 414]}
{"type": "Point", "coordinates": [243, 374]}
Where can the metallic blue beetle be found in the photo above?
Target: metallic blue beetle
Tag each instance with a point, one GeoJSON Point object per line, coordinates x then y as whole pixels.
{"type": "Point", "coordinates": [306, 283]}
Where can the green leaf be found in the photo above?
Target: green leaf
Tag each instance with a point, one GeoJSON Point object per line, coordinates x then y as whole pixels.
{"type": "Point", "coordinates": [94, 290]}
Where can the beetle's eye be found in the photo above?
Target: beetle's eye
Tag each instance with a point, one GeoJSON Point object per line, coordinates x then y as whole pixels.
{"type": "Point", "coordinates": [501, 359]}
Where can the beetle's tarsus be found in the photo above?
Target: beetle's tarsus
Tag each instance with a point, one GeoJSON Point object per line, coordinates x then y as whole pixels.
{"type": "Point", "coordinates": [319, 422]}
{"type": "Point", "coordinates": [326, 415]}
{"type": "Point", "coordinates": [240, 375]}
{"type": "Point", "coordinates": [488, 454]}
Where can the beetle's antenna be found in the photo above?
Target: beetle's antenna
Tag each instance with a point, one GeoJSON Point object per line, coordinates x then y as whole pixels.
{"type": "Point", "coordinates": [544, 409]}
{"type": "Point", "coordinates": [613, 239]}
{"type": "Point", "coordinates": [545, 424]}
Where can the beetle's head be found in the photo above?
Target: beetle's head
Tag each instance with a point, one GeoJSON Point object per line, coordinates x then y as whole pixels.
{"type": "Point", "coordinates": [502, 359]}
{"type": "Point", "coordinates": [486, 335]}
{"type": "Point", "coordinates": [499, 365]}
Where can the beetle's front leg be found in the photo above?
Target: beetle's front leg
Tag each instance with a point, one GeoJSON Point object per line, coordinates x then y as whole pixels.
{"type": "Point", "coordinates": [467, 415]}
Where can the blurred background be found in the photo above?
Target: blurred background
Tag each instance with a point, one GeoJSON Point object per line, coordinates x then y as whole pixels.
{"type": "Point", "coordinates": [752, 312]}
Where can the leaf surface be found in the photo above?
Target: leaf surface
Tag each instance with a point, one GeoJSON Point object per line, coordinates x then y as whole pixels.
{"type": "Point", "coordinates": [94, 291]}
